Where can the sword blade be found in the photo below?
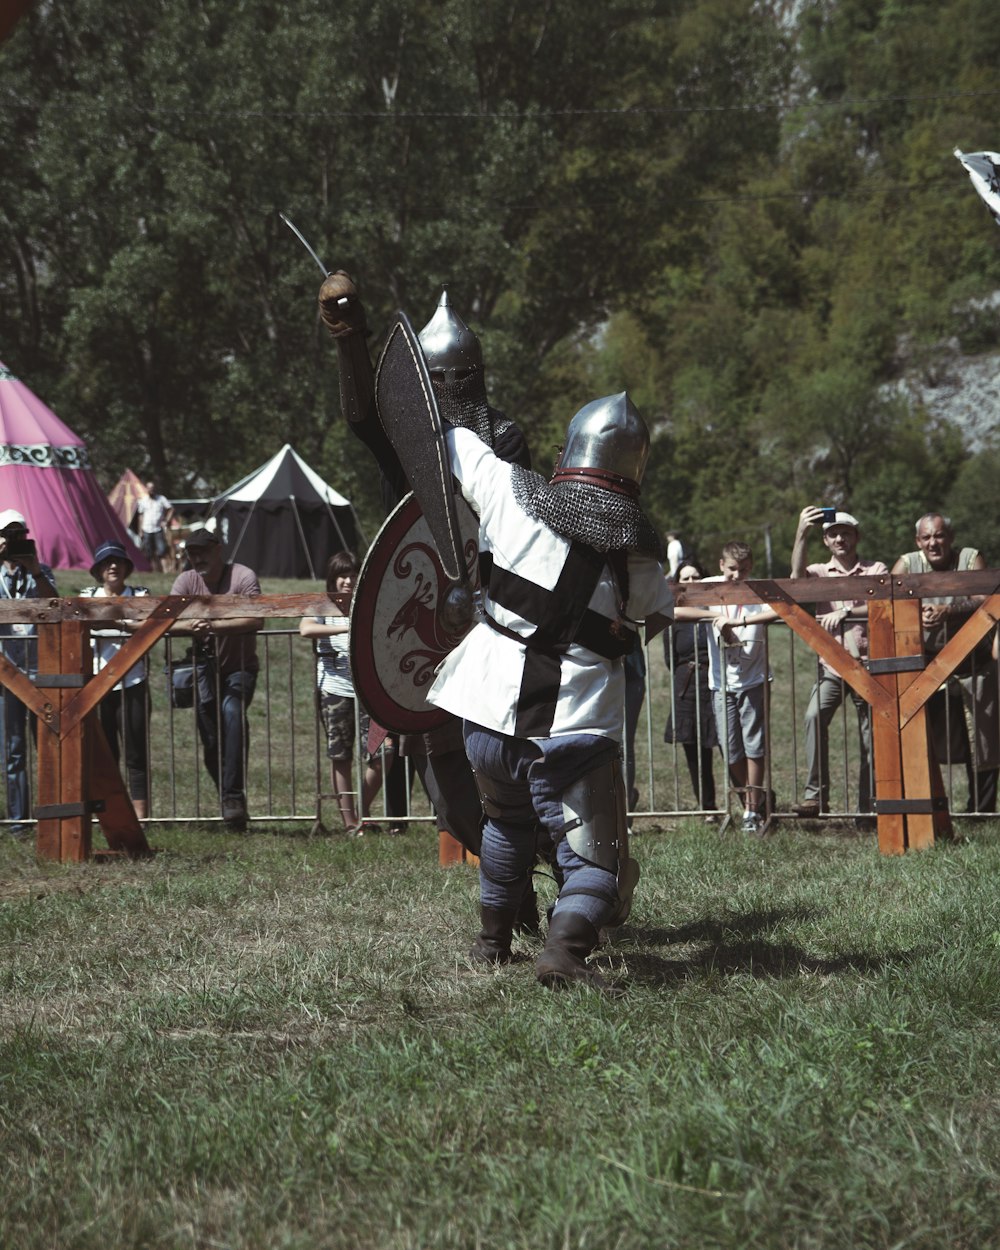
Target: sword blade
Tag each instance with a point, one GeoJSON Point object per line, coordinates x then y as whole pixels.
{"type": "Point", "coordinates": [305, 243]}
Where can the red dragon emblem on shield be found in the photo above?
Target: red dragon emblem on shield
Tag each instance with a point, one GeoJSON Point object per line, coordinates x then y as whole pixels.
{"type": "Point", "coordinates": [418, 615]}
{"type": "Point", "coordinates": [397, 638]}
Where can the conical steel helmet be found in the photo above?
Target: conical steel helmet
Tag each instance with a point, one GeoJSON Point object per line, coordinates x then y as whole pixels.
{"type": "Point", "coordinates": [607, 443]}
{"type": "Point", "coordinates": [449, 346]}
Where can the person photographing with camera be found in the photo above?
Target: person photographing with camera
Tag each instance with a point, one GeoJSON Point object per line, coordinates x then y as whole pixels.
{"type": "Point", "coordinates": [22, 576]}
{"type": "Point", "coordinates": [841, 533]}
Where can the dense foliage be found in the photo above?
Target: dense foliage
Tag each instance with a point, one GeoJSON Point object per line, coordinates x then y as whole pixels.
{"type": "Point", "coordinates": [747, 214]}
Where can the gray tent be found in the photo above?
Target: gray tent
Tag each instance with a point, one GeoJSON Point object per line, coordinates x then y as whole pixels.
{"type": "Point", "coordinates": [283, 520]}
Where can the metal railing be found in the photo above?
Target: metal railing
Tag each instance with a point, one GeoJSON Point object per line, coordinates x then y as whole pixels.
{"type": "Point", "coordinates": [288, 772]}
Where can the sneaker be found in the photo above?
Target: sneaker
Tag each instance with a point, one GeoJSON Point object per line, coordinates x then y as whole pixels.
{"type": "Point", "coordinates": [751, 822]}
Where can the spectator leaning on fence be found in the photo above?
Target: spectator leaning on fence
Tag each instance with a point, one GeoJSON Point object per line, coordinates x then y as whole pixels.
{"type": "Point", "coordinates": [738, 676]}
{"type": "Point", "coordinates": [337, 700]}
{"type": "Point", "coordinates": [21, 577]}
{"type": "Point", "coordinates": [972, 690]}
{"type": "Point", "coordinates": [691, 721]}
{"type": "Point", "coordinates": [228, 676]}
{"type": "Point", "coordinates": [839, 618]}
{"type": "Point", "coordinates": [124, 711]}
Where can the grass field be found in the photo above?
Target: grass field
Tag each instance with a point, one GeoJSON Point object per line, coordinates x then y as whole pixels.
{"type": "Point", "coordinates": [275, 1041]}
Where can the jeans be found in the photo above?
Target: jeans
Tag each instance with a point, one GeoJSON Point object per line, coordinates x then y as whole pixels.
{"type": "Point", "coordinates": [15, 745]}
{"type": "Point", "coordinates": [826, 696]}
{"type": "Point", "coordinates": [529, 778]}
{"type": "Point", "coordinates": [229, 723]}
{"type": "Point", "coordinates": [122, 714]}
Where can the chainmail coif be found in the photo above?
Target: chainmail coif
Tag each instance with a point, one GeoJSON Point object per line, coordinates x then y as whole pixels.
{"type": "Point", "coordinates": [582, 512]}
{"type": "Point", "coordinates": [463, 402]}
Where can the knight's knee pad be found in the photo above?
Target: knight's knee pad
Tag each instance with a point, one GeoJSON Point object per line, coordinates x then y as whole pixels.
{"type": "Point", "coordinates": [596, 828]}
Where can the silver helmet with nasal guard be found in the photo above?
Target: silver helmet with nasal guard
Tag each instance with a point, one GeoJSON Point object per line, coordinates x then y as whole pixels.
{"type": "Point", "coordinates": [607, 444]}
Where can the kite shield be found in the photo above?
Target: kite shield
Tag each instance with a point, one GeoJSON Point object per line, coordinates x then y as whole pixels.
{"type": "Point", "coordinates": [398, 637]}
{"type": "Point", "coordinates": [409, 414]}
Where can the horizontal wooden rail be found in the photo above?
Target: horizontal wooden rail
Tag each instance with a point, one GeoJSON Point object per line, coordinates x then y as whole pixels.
{"type": "Point", "coordinates": [77, 773]}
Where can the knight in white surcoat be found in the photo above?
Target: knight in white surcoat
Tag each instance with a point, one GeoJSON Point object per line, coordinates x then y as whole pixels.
{"type": "Point", "coordinates": [569, 567]}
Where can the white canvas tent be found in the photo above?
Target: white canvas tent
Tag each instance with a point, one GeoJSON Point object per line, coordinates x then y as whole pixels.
{"type": "Point", "coordinates": [283, 520]}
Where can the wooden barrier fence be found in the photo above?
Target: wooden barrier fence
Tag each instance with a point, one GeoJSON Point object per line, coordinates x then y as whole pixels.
{"type": "Point", "coordinates": [77, 776]}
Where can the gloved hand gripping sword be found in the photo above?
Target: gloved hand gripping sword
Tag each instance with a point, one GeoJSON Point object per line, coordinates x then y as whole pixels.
{"type": "Point", "coordinates": [343, 314]}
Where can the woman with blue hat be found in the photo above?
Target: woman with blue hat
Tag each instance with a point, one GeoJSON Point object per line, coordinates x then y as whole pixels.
{"type": "Point", "coordinates": [124, 711]}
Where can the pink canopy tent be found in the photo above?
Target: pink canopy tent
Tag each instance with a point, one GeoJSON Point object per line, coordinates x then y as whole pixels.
{"type": "Point", "coordinates": [45, 475]}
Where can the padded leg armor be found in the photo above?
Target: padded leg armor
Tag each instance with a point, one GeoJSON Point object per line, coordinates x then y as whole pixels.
{"type": "Point", "coordinates": [506, 859]}
{"type": "Point", "coordinates": [596, 831]}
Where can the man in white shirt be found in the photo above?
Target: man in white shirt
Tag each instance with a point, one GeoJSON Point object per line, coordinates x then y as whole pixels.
{"type": "Point", "coordinates": [568, 568]}
{"type": "Point", "coordinates": [155, 511]}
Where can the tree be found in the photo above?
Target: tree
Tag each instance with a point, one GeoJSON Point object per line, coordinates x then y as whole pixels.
{"type": "Point", "coordinates": [531, 154]}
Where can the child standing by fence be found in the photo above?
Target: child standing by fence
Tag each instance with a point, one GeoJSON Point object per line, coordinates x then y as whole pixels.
{"type": "Point", "coordinates": [738, 677]}
{"type": "Point", "coordinates": [336, 693]}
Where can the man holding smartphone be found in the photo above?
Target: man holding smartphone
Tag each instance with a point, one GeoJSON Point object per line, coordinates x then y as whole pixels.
{"type": "Point", "coordinates": [841, 532]}
{"type": "Point", "coordinates": [21, 577]}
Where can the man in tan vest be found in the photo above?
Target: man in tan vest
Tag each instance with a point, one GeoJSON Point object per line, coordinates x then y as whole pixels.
{"type": "Point", "coordinates": [964, 713]}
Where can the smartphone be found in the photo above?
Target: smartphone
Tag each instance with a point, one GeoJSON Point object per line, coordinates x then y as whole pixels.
{"type": "Point", "coordinates": [829, 515]}
{"type": "Point", "coordinates": [19, 549]}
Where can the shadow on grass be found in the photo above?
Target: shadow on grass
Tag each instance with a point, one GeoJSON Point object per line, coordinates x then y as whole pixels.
{"type": "Point", "coordinates": [734, 944]}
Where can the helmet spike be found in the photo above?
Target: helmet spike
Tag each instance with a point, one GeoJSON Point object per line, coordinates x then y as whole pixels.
{"type": "Point", "coordinates": [449, 346]}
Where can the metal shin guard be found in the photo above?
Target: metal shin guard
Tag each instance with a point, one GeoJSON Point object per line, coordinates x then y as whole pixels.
{"type": "Point", "coordinates": [597, 830]}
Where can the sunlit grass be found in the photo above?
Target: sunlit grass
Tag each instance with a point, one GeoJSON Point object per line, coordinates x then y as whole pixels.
{"type": "Point", "coordinates": [275, 1040]}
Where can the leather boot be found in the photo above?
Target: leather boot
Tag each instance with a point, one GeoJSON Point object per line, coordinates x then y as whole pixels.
{"type": "Point", "coordinates": [493, 944]}
{"type": "Point", "coordinates": [527, 919]}
{"type": "Point", "coordinates": [570, 940]}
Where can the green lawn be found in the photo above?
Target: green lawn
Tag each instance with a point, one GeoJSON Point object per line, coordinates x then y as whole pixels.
{"type": "Point", "coordinates": [276, 1041]}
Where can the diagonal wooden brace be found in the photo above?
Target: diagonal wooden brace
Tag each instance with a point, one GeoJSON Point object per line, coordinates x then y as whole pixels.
{"type": "Point", "coordinates": [20, 685]}
{"type": "Point", "coordinates": [149, 632]}
{"type": "Point", "coordinates": [948, 659]}
{"type": "Point", "coordinates": [830, 650]}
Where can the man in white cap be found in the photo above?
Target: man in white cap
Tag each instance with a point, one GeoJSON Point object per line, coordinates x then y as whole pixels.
{"type": "Point", "coordinates": [21, 577]}
{"type": "Point", "coordinates": [841, 533]}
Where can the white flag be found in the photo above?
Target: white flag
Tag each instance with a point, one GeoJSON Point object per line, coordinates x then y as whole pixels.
{"type": "Point", "coordinates": [984, 170]}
